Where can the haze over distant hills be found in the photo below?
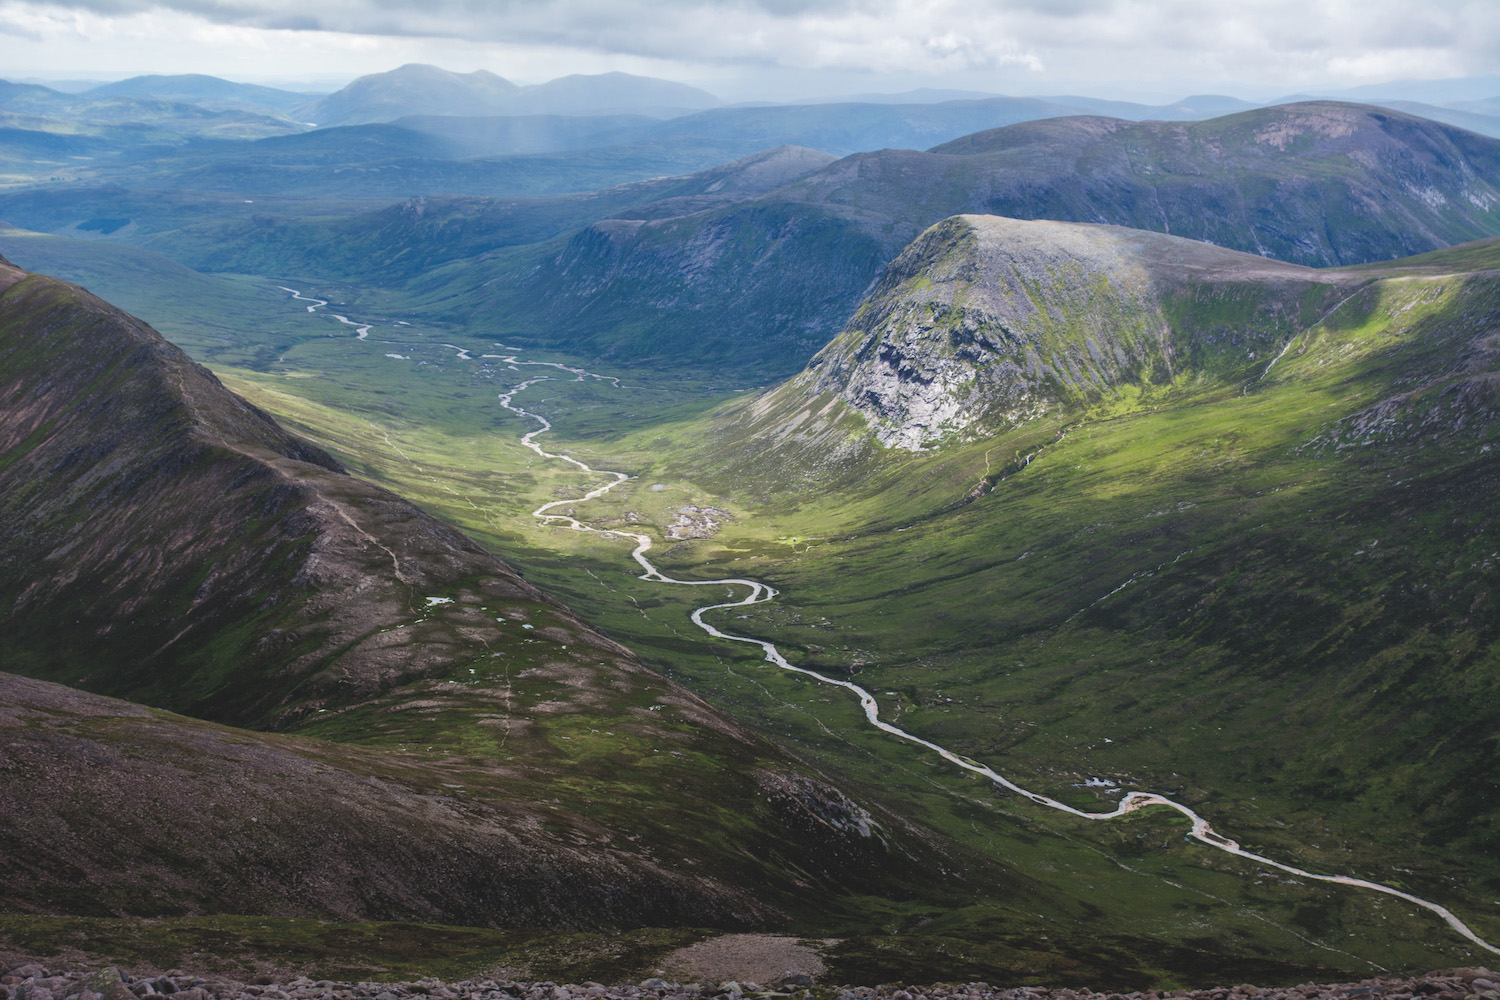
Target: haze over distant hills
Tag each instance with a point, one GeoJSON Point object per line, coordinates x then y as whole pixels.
{"type": "Point", "coordinates": [423, 90]}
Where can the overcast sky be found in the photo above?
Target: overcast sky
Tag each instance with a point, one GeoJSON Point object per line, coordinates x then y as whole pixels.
{"type": "Point", "coordinates": [778, 49]}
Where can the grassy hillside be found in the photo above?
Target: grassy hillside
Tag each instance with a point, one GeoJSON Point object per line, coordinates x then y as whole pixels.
{"type": "Point", "coordinates": [1256, 585]}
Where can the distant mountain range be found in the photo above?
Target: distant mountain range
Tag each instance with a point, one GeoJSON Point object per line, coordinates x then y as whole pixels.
{"type": "Point", "coordinates": [1320, 183]}
{"type": "Point", "coordinates": [416, 89]}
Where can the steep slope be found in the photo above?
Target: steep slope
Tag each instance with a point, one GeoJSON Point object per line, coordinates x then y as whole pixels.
{"type": "Point", "coordinates": [141, 812]}
{"type": "Point", "coordinates": [987, 322]}
{"type": "Point", "coordinates": [1318, 183]}
{"type": "Point", "coordinates": [266, 560]}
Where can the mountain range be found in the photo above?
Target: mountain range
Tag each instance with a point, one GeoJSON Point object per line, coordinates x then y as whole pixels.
{"type": "Point", "coordinates": [1134, 461]}
{"type": "Point", "coordinates": [776, 276]}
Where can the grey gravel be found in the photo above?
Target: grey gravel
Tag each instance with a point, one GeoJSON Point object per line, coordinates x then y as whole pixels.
{"type": "Point", "coordinates": [35, 982]}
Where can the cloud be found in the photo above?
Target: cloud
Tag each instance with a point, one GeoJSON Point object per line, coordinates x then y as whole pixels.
{"type": "Point", "coordinates": [1295, 41]}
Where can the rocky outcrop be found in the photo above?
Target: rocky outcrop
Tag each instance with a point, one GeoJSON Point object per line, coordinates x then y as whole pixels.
{"type": "Point", "coordinates": [986, 323]}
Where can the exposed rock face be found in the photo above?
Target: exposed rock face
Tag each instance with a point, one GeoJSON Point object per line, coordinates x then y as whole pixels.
{"type": "Point", "coordinates": [992, 320]}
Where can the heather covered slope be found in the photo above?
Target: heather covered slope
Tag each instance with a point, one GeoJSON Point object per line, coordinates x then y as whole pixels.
{"type": "Point", "coordinates": [194, 547]}
{"type": "Point", "coordinates": [136, 811]}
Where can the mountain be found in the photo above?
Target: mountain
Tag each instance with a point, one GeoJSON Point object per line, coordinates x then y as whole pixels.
{"type": "Point", "coordinates": [510, 135]}
{"type": "Point", "coordinates": [984, 323]}
{"type": "Point", "coordinates": [840, 128]}
{"type": "Point", "coordinates": [142, 812]}
{"type": "Point", "coordinates": [775, 273]}
{"type": "Point", "coordinates": [1446, 91]}
{"type": "Point", "coordinates": [506, 151]}
{"type": "Point", "coordinates": [416, 89]}
{"type": "Point", "coordinates": [848, 127]}
{"type": "Point", "coordinates": [403, 241]}
{"type": "Point", "coordinates": [413, 89]}
{"type": "Point", "coordinates": [209, 92]}
{"type": "Point", "coordinates": [1484, 124]}
{"type": "Point", "coordinates": [617, 93]}
{"type": "Point", "coordinates": [1317, 183]}
{"type": "Point", "coordinates": [294, 569]}
{"type": "Point", "coordinates": [1489, 107]}
{"type": "Point", "coordinates": [401, 728]}
{"type": "Point", "coordinates": [1194, 108]}
{"type": "Point", "coordinates": [66, 111]}
{"type": "Point", "coordinates": [460, 747]}
{"type": "Point", "coordinates": [28, 97]}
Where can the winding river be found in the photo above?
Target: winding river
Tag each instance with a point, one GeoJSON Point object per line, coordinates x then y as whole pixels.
{"type": "Point", "coordinates": [757, 593]}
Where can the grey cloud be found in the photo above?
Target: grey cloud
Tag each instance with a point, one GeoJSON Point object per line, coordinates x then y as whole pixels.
{"type": "Point", "coordinates": [1284, 38]}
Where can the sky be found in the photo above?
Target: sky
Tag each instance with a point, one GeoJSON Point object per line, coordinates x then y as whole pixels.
{"type": "Point", "coordinates": [775, 49]}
